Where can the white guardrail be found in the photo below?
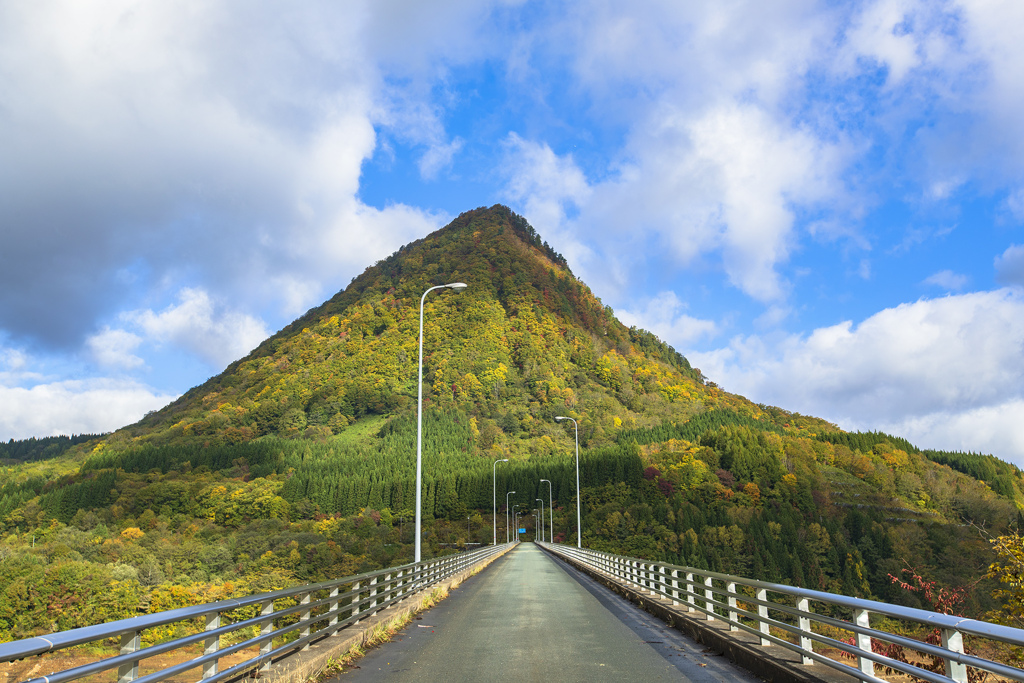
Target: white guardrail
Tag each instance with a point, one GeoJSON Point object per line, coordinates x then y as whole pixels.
{"type": "Point", "coordinates": [313, 612]}
{"type": "Point", "coordinates": [767, 609]}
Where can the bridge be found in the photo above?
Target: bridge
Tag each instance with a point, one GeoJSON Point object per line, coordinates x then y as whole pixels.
{"type": "Point", "coordinates": [524, 612]}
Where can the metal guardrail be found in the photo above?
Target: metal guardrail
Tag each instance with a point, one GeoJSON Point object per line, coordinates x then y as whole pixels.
{"type": "Point", "coordinates": [788, 609]}
{"type": "Point", "coordinates": [319, 610]}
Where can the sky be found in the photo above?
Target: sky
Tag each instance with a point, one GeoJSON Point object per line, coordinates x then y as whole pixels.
{"type": "Point", "coordinates": [820, 204]}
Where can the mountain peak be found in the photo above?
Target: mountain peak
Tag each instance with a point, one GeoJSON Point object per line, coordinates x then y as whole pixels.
{"type": "Point", "coordinates": [489, 247]}
{"type": "Point", "coordinates": [526, 338]}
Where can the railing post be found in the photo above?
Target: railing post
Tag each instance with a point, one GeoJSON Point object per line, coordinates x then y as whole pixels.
{"type": "Point", "coordinates": [862, 617]}
{"type": "Point", "coordinates": [333, 608]}
{"type": "Point", "coordinates": [953, 640]}
{"type": "Point", "coordinates": [373, 595]}
{"type": "Point", "coordinates": [733, 616]}
{"type": "Point", "coordinates": [762, 616]}
{"type": "Point", "coordinates": [211, 645]}
{"type": "Point", "coordinates": [130, 642]}
{"type": "Point", "coordinates": [806, 644]}
{"type": "Point", "coordinates": [709, 597]}
{"type": "Point", "coordinates": [354, 601]}
{"type": "Point", "coordinates": [303, 616]}
{"type": "Point", "coordinates": [691, 593]}
{"type": "Point", "coordinates": [267, 608]}
{"type": "Point", "coordinates": [675, 587]}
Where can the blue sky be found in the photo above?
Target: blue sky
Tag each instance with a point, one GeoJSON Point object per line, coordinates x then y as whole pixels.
{"type": "Point", "coordinates": [820, 204]}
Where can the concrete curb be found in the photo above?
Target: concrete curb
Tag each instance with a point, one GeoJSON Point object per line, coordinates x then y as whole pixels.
{"type": "Point", "coordinates": [305, 666]}
{"type": "Point", "coordinates": [774, 664]}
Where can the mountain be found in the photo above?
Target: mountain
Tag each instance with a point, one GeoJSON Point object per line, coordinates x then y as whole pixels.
{"type": "Point", "coordinates": [524, 337]}
{"type": "Point", "coordinates": [297, 461]}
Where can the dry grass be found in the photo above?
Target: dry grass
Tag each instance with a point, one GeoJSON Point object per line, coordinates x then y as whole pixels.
{"type": "Point", "coordinates": [378, 635]}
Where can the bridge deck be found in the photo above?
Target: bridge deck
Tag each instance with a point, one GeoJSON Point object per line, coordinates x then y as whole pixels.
{"type": "Point", "coordinates": [530, 618]}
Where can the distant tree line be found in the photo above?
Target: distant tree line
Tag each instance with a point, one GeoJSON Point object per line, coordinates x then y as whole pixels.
{"type": "Point", "coordinates": [32, 449]}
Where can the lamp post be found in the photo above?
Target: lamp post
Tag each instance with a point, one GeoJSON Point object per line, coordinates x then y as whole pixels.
{"type": "Point", "coordinates": [541, 501]}
{"type": "Point", "coordinates": [494, 498]}
{"type": "Point", "coordinates": [516, 520]}
{"type": "Point", "coordinates": [458, 287]}
{"type": "Point", "coordinates": [469, 530]}
{"type": "Point", "coordinates": [507, 537]}
{"type": "Point", "coordinates": [515, 523]}
{"type": "Point", "coordinates": [551, 514]}
{"type": "Point", "coordinates": [579, 524]}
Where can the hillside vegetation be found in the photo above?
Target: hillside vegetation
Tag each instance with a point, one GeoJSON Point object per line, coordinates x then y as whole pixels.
{"type": "Point", "coordinates": [297, 462]}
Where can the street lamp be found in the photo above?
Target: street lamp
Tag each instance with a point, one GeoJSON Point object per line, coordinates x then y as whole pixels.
{"type": "Point", "coordinates": [541, 501]}
{"type": "Point", "coordinates": [579, 524]}
{"type": "Point", "coordinates": [515, 522]}
{"type": "Point", "coordinates": [458, 287]}
{"type": "Point", "coordinates": [551, 514]}
{"type": "Point", "coordinates": [494, 498]}
{"type": "Point", "coordinates": [507, 538]}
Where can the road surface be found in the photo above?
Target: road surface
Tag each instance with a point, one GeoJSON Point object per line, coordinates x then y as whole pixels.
{"type": "Point", "coordinates": [529, 617]}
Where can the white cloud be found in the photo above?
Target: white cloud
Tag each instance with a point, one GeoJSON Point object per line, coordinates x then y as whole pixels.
{"type": "Point", "coordinates": [17, 368]}
{"type": "Point", "coordinates": [1015, 203]}
{"type": "Point", "coordinates": [12, 360]}
{"type": "Point", "coordinates": [1010, 266]}
{"type": "Point", "coordinates": [989, 429]}
{"type": "Point", "coordinates": [741, 119]}
{"type": "Point", "coordinates": [439, 156]}
{"type": "Point", "coordinates": [948, 280]}
{"type": "Point", "coordinates": [763, 169]}
{"type": "Point", "coordinates": [773, 317]}
{"type": "Point", "coordinates": [663, 315]}
{"type": "Point", "coordinates": [547, 184]}
{"type": "Point", "coordinates": [695, 52]}
{"type": "Point", "coordinates": [909, 365]}
{"type": "Point", "coordinates": [884, 32]}
{"type": "Point", "coordinates": [992, 36]}
{"type": "Point", "coordinates": [957, 62]}
{"type": "Point", "coordinates": [193, 139]}
{"type": "Point", "coordinates": [715, 161]}
{"type": "Point", "coordinates": [74, 407]}
{"type": "Point", "coordinates": [216, 335]}
{"type": "Point", "coordinates": [725, 181]}
{"type": "Point", "coordinates": [113, 348]}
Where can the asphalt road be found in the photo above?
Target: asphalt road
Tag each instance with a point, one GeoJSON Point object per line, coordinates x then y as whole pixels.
{"type": "Point", "coordinates": [530, 618]}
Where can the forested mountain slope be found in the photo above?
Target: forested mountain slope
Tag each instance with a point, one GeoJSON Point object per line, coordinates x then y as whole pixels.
{"type": "Point", "coordinates": [297, 462]}
{"type": "Point", "coordinates": [525, 336]}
